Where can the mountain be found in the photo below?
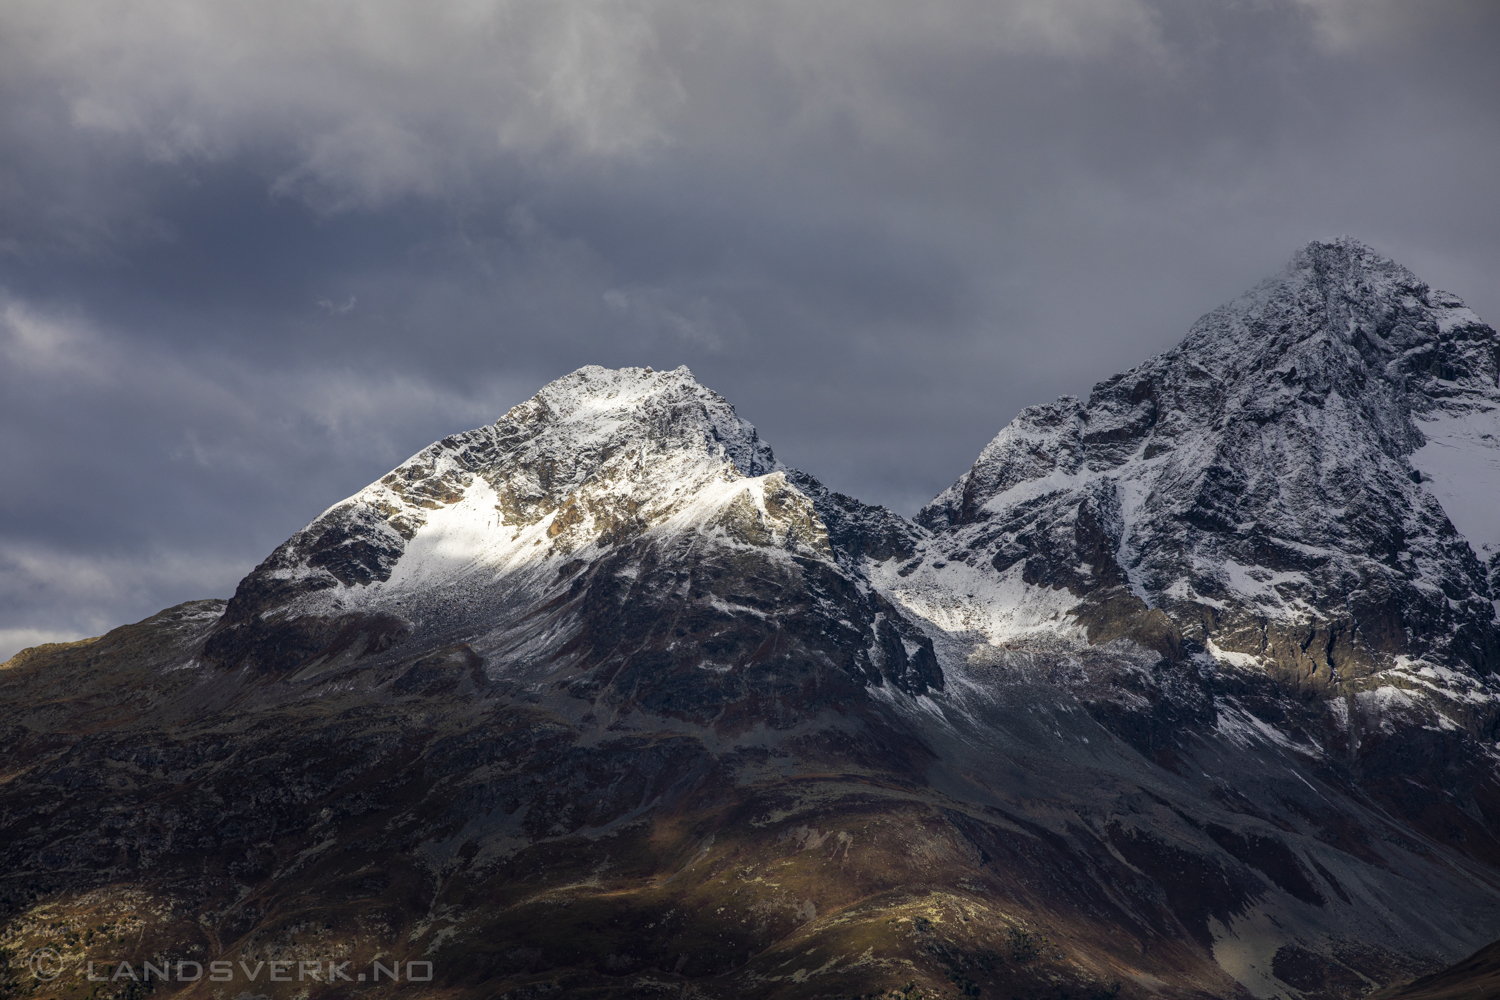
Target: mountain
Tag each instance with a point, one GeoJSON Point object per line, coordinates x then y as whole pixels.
{"type": "Point", "coordinates": [1278, 485]}
{"type": "Point", "coordinates": [1183, 690]}
{"type": "Point", "coordinates": [1303, 489]}
{"type": "Point", "coordinates": [622, 534]}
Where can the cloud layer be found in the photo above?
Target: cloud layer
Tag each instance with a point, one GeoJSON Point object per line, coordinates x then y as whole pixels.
{"type": "Point", "coordinates": [252, 255]}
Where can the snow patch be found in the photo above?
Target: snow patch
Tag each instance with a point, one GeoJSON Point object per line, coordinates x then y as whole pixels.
{"type": "Point", "coordinates": [1460, 465]}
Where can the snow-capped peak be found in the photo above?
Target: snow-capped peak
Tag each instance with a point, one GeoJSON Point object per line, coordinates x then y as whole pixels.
{"type": "Point", "coordinates": [594, 459]}
{"type": "Point", "coordinates": [610, 502]}
{"type": "Point", "coordinates": [584, 415]}
{"type": "Point", "coordinates": [1261, 484]}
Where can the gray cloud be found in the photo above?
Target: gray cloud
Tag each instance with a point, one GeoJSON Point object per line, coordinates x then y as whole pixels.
{"type": "Point", "coordinates": [253, 255]}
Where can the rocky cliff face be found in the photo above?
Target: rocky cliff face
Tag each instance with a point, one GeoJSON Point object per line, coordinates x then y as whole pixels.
{"type": "Point", "coordinates": [1184, 690]}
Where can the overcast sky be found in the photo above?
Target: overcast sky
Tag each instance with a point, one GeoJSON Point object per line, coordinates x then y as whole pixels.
{"type": "Point", "coordinates": [253, 255]}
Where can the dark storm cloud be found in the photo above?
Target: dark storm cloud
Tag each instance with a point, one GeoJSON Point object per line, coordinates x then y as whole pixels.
{"type": "Point", "coordinates": [251, 256]}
